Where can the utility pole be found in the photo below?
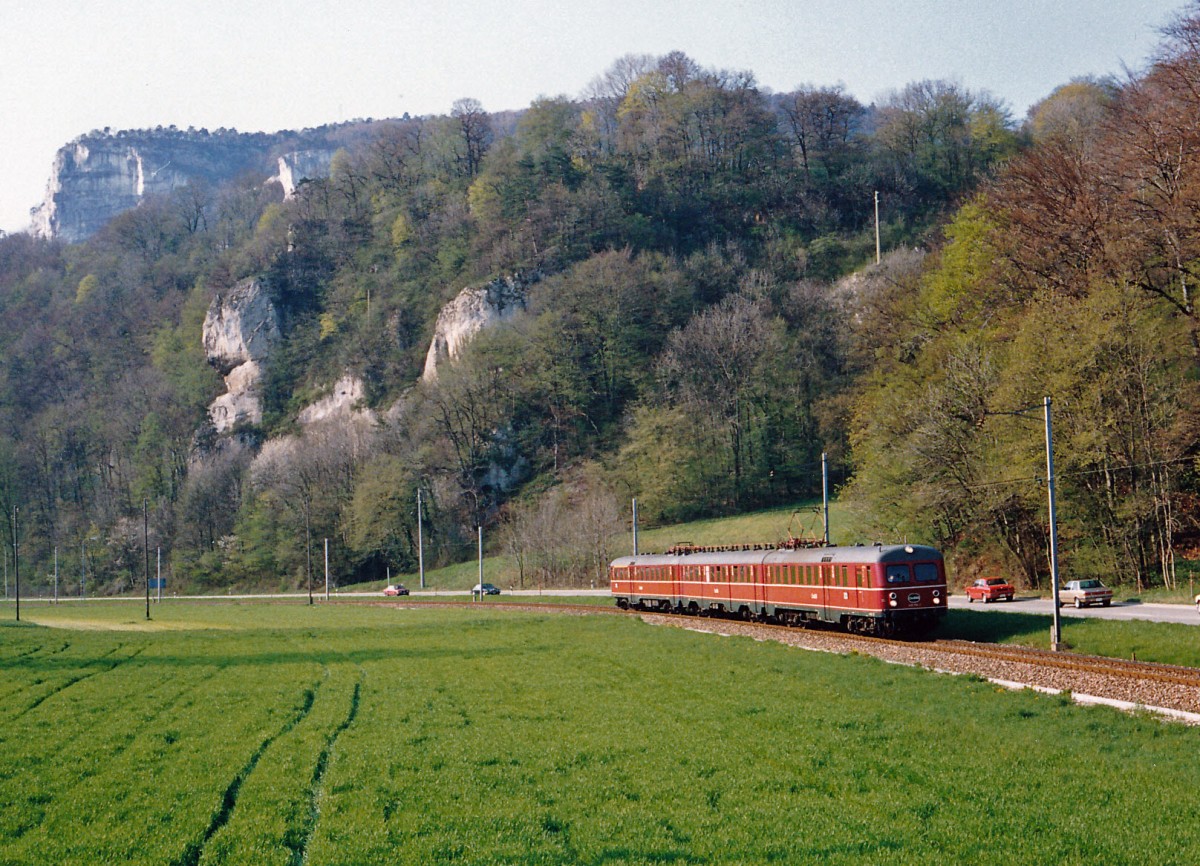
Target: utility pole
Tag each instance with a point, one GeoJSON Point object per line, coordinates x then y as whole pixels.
{"type": "Point", "coordinates": [56, 575]}
{"type": "Point", "coordinates": [146, 548]}
{"type": "Point", "coordinates": [327, 569]}
{"type": "Point", "coordinates": [877, 259]}
{"type": "Point", "coordinates": [480, 562]}
{"type": "Point", "coordinates": [635, 527]}
{"type": "Point", "coordinates": [17, 561]}
{"type": "Point", "coordinates": [308, 547]}
{"type": "Point", "coordinates": [420, 542]}
{"type": "Point", "coordinates": [825, 492]}
{"type": "Point", "coordinates": [1056, 636]}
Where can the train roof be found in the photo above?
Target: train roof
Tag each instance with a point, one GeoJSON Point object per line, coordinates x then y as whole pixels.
{"type": "Point", "coordinates": [858, 554]}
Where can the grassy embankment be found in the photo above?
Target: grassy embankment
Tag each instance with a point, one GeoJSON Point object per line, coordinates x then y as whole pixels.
{"type": "Point", "coordinates": [769, 526]}
{"type": "Point", "coordinates": [224, 733]}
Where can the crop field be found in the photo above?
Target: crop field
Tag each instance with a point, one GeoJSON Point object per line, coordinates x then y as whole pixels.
{"type": "Point", "coordinates": [341, 734]}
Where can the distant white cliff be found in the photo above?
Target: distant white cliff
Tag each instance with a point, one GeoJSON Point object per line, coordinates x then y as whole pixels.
{"type": "Point", "coordinates": [240, 330]}
{"type": "Point", "coordinates": [102, 174]}
{"type": "Point", "coordinates": [473, 310]}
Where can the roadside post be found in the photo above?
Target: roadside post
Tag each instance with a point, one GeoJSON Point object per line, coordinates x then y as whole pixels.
{"type": "Point", "coordinates": [1056, 634]}
{"type": "Point", "coordinates": [480, 528]}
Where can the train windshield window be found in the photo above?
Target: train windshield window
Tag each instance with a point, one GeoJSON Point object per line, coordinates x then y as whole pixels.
{"type": "Point", "coordinates": [897, 574]}
{"type": "Point", "coordinates": [926, 572]}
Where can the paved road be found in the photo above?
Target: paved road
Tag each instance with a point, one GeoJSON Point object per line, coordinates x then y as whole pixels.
{"type": "Point", "coordinates": [1184, 613]}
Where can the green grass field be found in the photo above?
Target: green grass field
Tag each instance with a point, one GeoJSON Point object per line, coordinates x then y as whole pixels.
{"type": "Point", "coordinates": [339, 734]}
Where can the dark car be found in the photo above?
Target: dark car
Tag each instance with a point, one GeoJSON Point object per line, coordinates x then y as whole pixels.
{"type": "Point", "coordinates": [395, 589]}
{"type": "Point", "coordinates": [485, 589]}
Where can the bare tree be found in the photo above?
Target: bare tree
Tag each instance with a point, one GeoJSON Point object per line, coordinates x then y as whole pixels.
{"type": "Point", "coordinates": [819, 121]}
{"type": "Point", "coordinates": [714, 366]}
{"type": "Point", "coordinates": [565, 537]}
{"type": "Point", "coordinates": [475, 129]}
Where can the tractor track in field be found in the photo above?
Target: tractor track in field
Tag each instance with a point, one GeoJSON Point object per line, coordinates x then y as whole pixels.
{"type": "Point", "coordinates": [105, 664]}
{"type": "Point", "coordinates": [195, 849]}
{"type": "Point", "coordinates": [1171, 689]}
{"type": "Point", "coordinates": [316, 785]}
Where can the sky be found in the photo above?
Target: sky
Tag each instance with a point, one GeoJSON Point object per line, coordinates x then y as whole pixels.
{"type": "Point", "coordinates": [70, 66]}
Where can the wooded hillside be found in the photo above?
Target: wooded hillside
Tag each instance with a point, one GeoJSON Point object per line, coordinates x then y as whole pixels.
{"type": "Point", "coordinates": [690, 340]}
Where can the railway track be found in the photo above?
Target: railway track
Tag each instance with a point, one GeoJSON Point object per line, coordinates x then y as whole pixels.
{"type": "Point", "coordinates": [1130, 668]}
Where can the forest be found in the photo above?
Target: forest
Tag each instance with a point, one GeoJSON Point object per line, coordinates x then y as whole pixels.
{"type": "Point", "coordinates": [708, 318]}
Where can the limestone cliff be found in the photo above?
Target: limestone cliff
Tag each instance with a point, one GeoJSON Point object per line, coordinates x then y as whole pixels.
{"type": "Point", "coordinates": [300, 165]}
{"type": "Point", "coordinates": [101, 174]}
{"type": "Point", "coordinates": [98, 176]}
{"type": "Point", "coordinates": [240, 329]}
{"type": "Point", "coordinates": [471, 311]}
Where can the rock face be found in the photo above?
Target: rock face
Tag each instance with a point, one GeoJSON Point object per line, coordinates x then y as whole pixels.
{"type": "Point", "coordinates": [471, 311]}
{"type": "Point", "coordinates": [239, 331]}
{"type": "Point", "coordinates": [344, 404]}
{"type": "Point", "coordinates": [101, 174]}
{"type": "Point", "coordinates": [96, 177]}
{"type": "Point", "coordinates": [300, 165]}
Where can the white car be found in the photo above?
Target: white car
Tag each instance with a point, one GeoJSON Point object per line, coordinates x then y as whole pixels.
{"type": "Point", "coordinates": [1084, 593]}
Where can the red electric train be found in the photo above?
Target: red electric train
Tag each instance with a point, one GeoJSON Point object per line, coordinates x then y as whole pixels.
{"type": "Point", "coordinates": [880, 590]}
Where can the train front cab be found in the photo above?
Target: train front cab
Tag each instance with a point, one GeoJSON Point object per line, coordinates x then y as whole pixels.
{"type": "Point", "coordinates": [913, 582]}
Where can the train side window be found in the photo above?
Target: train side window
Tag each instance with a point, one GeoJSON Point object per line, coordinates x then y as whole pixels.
{"type": "Point", "coordinates": [897, 574]}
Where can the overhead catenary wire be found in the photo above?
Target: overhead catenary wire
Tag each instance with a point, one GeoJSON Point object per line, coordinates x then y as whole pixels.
{"type": "Point", "coordinates": [1041, 479]}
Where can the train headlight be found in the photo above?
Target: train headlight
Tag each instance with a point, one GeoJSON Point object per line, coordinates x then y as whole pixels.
{"type": "Point", "coordinates": [892, 596]}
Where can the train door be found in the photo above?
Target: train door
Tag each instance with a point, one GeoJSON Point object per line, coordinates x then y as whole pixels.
{"type": "Point", "coordinates": [762, 574]}
{"type": "Point", "coordinates": [825, 577]}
